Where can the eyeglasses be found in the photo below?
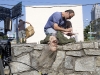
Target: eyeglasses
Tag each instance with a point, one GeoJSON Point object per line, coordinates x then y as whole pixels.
{"type": "Point", "coordinates": [70, 16]}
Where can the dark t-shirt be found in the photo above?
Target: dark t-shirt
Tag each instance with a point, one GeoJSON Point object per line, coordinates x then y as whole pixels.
{"type": "Point", "coordinates": [55, 18]}
{"type": "Point", "coordinates": [21, 25]}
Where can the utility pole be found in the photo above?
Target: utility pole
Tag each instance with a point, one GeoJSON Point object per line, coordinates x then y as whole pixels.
{"type": "Point", "coordinates": [17, 38]}
{"type": "Point", "coordinates": [1, 68]}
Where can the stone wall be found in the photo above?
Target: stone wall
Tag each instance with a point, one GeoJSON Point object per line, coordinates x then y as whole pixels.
{"type": "Point", "coordinates": [71, 59]}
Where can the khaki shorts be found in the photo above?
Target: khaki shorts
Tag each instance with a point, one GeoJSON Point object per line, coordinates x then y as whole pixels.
{"type": "Point", "coordinates": [21, 34]}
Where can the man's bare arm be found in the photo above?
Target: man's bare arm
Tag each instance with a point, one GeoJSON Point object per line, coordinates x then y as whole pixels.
{"type": "Point", "coordinates": [27, 22]}
{"type": "Point", "coordinates": [56, 27]}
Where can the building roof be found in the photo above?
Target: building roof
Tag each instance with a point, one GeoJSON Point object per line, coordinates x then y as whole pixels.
{"type": "Point", "coordinates": [44, 6]}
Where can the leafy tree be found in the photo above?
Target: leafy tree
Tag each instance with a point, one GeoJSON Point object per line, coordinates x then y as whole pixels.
{"type": "Point", "coordinates": [87, 29]}
{"type": "Point", "coordinates": [86, 35]}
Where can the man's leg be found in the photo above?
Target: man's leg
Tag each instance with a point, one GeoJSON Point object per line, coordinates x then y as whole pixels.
{"type": "Point", "coordinates": [23, 36]}
{"type": "Point", "coordinates": [19, 34]}
{"type": "Point", "coordinates": [50, 31]}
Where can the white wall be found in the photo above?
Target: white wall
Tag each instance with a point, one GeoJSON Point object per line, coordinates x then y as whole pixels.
{"type": "Point", "coordinates": [38, 16]}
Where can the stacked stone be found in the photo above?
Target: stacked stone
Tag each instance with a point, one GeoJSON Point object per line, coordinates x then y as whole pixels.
{"type": "Point", "coordinates": [81, 58]}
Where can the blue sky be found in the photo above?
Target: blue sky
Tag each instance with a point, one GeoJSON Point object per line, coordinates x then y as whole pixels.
{"type": "Point", "coordinates": [86, 9]}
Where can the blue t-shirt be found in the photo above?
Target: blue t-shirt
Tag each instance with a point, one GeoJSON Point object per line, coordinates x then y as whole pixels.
{"type": "Point", "coordinates": [55, 18]}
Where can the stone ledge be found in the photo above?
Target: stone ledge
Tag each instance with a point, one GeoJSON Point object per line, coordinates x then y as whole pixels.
{"type": "Point", "coordinates": [91, 52]}
{"type": "Point", "coordinates": [71, 59]}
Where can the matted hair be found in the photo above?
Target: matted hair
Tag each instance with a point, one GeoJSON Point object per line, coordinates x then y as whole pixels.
{"type": "Point", "coordinates": [68, 24]}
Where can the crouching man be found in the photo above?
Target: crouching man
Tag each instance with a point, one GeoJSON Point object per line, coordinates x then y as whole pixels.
{"type": "Point", "coordinates": [58, 22]}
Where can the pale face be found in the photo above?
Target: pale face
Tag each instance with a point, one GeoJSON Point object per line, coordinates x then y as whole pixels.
{"type": "Point", "coordinates": [53, 43]}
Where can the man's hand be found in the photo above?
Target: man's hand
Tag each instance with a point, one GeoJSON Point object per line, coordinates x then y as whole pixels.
{"type": "Point", "coordinates": [70, 34]}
